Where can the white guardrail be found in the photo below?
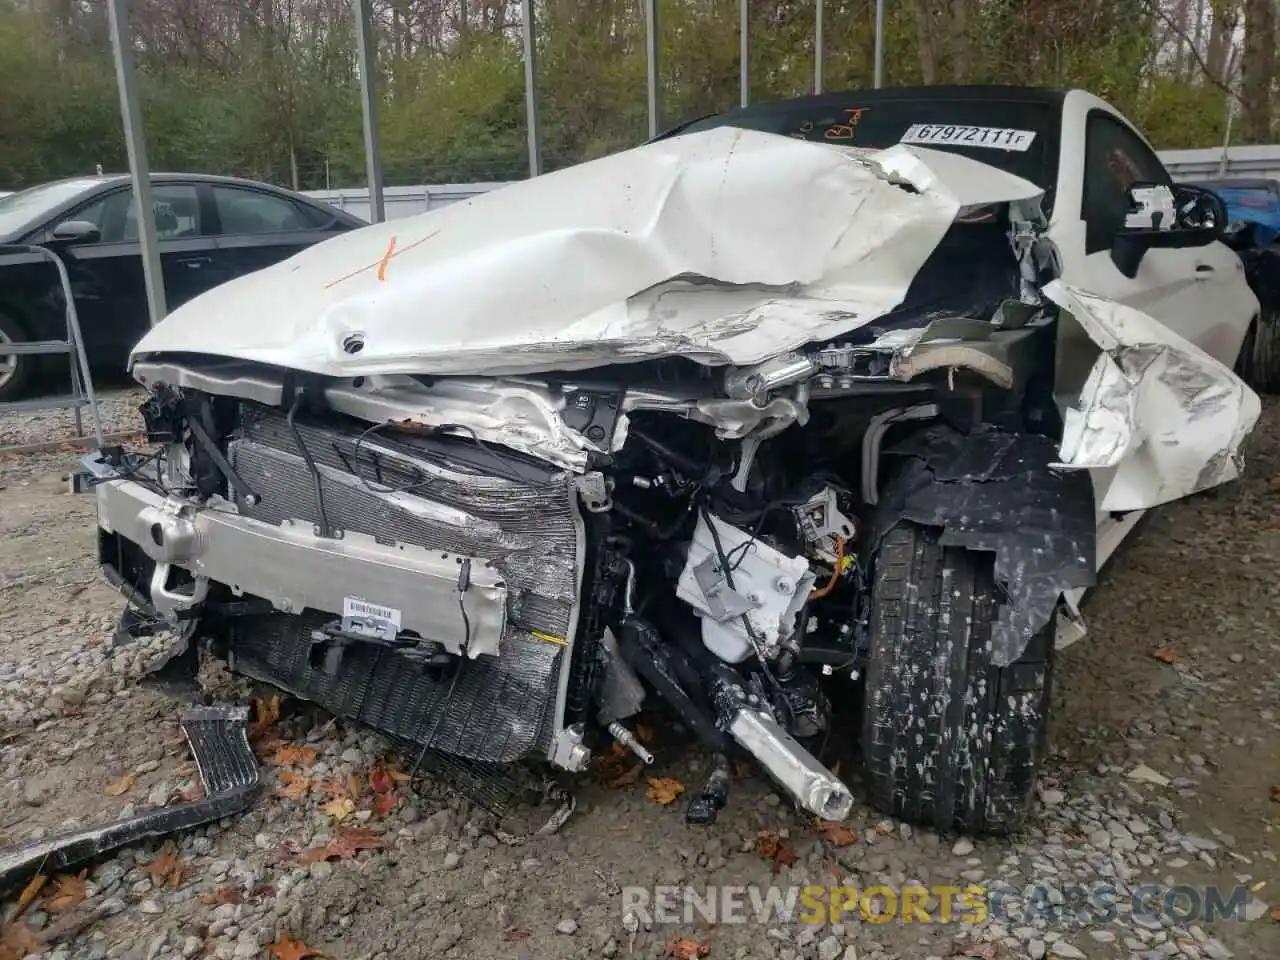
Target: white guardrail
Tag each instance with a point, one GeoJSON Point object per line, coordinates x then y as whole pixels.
{"type": "Point", "coordinates": [1242, 163]}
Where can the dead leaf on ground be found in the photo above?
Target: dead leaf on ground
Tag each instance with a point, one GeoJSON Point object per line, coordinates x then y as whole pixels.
{"type": "Point", "coordinates": [71, 890]}
{"type": "Point", "coordinates": [294, 785]}
{"type": "Point", "coordinates": [191, 793]}
{"type": "Point", "coordinates": [380, 781]}
{"type": "Point", "coordinates": [266, 714]}
{"type": "Point", "coordinates": [29, 893]}
{"type": "Point", "coordinates": [628, 777]}
{"type": "Point", "coordinates": [346, 844]}
{"type": "Point", "coordinates": [643, 732]}
{"type": "Point", "coordinates": [167, 866]}
{"type": "Point", "coordinates": [980, 951]}
{"type": "Point", "coordinates": [515, 934]}
{"type": "Point", "coordinates": [353, 785]}
{"type": "Point", "coordinates": [770, 845]}
{"type": "Point", "coordinates": [1164, 655]}
{"type": "Point", "coordinates": [384, 803]}
{"type": "Point", "coordinates": [232, 895]}
{"type": "Point", "coordinates": [339, 808]}
{"type": "Point", "coordinates": [834, 833]}
{"type": "Point", "coordinates": [120, 784]}
{"type": "Point", "coordinates": [286, 948]}
{"type": "Point", "coordinates": [17, 940]}
{"type": "Point", "coordinates": [292, 755]}
{"type": "Point", "coordinates": [664, 790]}
{"type": "Point", "coordinates": [681, 948]}
{"type": "Point", "coordinates": [1275, 792]}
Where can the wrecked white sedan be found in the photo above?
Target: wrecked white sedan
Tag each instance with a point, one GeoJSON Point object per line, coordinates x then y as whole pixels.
{"type": "Point", "coordinates": [811, 392]}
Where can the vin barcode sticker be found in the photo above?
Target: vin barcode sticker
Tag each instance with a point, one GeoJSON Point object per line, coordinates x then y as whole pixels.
{"type": "Point", "coordinates": [370, 619]}
{"type": "Point", "coordinates": [996, 138]}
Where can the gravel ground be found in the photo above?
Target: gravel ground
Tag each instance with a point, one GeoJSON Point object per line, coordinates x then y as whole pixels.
{"type": "Point", "coordinates": [1176, 684]}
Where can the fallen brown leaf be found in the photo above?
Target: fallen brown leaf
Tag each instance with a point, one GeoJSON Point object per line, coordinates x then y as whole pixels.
{"type": "Point", "coordinates": [191, 793]}
{"type": "Point", "coordinates": [339, 808]}
{"type": "Point", "coordinates": [286, 948]}
{"type": "Point", "coordinates": [1164, 655]}
{"type": "Point", "coordinates": [515, 933]}
{"type": "Point", "coordinates": [266, 714]}
{"type": "Point", "coordinates": [29, 893]}
{"type": "Point", "coordinates": [834, 833]}
{"type": "Point", "coordinates": [17, 940]}
{"type": "Point", "coordinates": [346, 844]}
{"type": "Point", "coordinates": [384, 803]}
{"type": "Point", "coordinates": [218, 897]}
{"type": "Point", "coordinates": [1275, 914]}
{"type": "Point", "coordinates": [296, 786]}
{"type": "Point", "coordinates": [664, 790]}
{"type": "Point", "coordinates": [1275, 793]}
{"type": "Point", "coordinates": [120, 784]}
{"type": "Point", "coordinates": [291, 755]}
{"type": "Point", "coordinates": [770, 845]}
{"type": "Point", "coordinates": [380, 781]}
{"type": "Point", "coordinates": [643, 732]}
{"type": "Point", "coordinates": [167, 866]}
{"type": "Point", "coordinates": [353, 785]}
{"type": "Point", "coordinates": [71, 890]}
{"type": "Point", "coordinates": [681, 948]}
{"type": "Point", "coordinates": [628, 777]}
{"type": "Point", "coordinates": [981, 951]}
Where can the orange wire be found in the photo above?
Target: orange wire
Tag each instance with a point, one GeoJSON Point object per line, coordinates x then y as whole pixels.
{"type": "Point", "coordinates": [835, 574]}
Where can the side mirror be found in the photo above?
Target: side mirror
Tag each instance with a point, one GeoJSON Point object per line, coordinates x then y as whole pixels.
{"type": "Point", "coordinates": [1168, 217]}
{"type": "Point", "coordinates": [76, 231]}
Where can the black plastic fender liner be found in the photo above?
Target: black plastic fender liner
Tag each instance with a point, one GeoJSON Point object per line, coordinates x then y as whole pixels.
{"type": "Point", "coordinates": [994, 490]}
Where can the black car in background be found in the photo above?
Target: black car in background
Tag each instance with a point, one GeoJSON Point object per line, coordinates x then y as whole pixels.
{"type": "Point", "coordinates": [210, 230]}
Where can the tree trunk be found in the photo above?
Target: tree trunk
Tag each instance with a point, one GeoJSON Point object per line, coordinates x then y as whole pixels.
{"type": "Point", "coordinates": [1257, 70]}
{"type": "Point", "coordinates": [962, 43]}
{"type": "Point", "coordinates": [924, 41]}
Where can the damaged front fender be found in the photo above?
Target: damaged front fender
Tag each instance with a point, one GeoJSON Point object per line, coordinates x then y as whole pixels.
{"type": "Point", "coordinates": [1000, 492]}
{"type": "Point", "coordinates": [1166, 417]}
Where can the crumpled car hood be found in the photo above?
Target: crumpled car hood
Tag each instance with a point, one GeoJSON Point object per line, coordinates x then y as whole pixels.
{"type": "Point", "coordinates": [608, 262]}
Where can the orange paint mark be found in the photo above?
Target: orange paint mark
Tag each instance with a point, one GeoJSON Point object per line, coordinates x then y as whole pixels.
{"type": "Point", "coordinates": [380, 264]}
{"type": "Point", "coordinates": [386, 258]}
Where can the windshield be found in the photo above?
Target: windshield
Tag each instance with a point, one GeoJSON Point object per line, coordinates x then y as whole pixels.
{"type": "Point", "coordinates": [18, 209]}
{"type": "Point", "coordinates": [1009, 134]}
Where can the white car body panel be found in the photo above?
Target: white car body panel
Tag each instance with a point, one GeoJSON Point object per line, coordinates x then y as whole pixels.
{"type": "Point", "coordinates": [727, 247]}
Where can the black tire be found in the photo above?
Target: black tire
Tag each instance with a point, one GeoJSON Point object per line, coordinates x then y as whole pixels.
{"type": "Point", "coordinates": [1259, 361]}
{"type": "Point", "coordinates": [14, 382]}
{"type": "Point", "coordinates": [950, 740]}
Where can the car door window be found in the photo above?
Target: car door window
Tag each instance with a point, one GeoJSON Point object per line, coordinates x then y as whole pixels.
{"type": "Point", "coordinates": [1115, 157]}
{"type": "Point", "coordinates": [176, 206]}
{"type": "Point", "coordinates": [250, 212]}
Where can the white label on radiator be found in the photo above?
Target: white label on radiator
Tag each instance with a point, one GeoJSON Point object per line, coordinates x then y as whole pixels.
{"type": "Point", "coordinates": [370, 619]}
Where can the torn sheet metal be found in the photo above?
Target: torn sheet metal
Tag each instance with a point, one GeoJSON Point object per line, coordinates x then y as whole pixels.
{"type": "Point", "coordinates": [995, 491]}
{"type": "Point", "coordinates": [1166, 416]}
{"type": "Point", "coordinates": [724, 246]}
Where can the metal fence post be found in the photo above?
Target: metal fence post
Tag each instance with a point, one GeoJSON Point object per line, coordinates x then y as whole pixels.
{"type": "Point", "coordinates": [366, 59]}
{"type": "Point", "coordinates": [529, 31]}
{"type": "Point", "coordinates": [817, 47]}
{"type": "Point", "coordinates": [879, 77]}
{"type": "Point", "coordinates": [651, 38]}
{"type": "Point", "coordinates": [136, 147]}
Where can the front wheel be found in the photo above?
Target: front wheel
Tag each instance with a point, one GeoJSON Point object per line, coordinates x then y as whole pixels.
{"type": "Point", "coordinates": [15, 370]}
{"type": "Point", "coordinates": [950, 739]}
{"type": "Point", "coordinates": [1259, 361]}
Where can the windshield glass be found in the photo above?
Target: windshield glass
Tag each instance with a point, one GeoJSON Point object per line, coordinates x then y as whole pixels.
{"type": "Point", "coordinates": [19, 208]}
{"type": "Point", "coordinates": [1009, 134]}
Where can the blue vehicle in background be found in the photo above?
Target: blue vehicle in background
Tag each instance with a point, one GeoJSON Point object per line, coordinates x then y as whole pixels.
{"type": "Point", "coordinates": [1253, 231]}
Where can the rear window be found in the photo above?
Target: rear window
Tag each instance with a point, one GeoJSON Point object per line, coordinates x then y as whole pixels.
{"type": "Point", "coordinates": [1011, 135]}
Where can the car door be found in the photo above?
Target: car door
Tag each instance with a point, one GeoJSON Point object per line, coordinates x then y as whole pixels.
{"type": "Point", "coordinates": [106, 274]}
{"type": "Point", "coordinates": [257, 228]}
{"type": "Point", "coordinates": [1198, 292]}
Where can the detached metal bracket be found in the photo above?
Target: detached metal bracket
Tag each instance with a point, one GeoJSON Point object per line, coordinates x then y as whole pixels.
{"type": "Point", "coordinates": [219, 741]}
